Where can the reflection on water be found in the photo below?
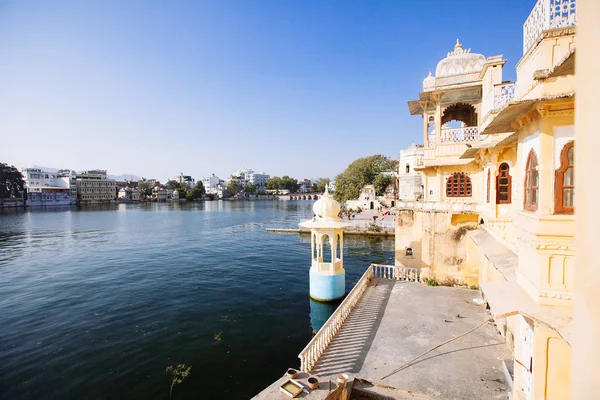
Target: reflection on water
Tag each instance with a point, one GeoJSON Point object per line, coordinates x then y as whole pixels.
{"type": "Point", "coordinates": [320, 313]}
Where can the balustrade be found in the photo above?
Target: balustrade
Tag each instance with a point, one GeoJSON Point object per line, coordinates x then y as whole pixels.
{"type": "Point", "coordinates": [319, 343]}
{"type": "Point", "coordinates": [547, 14]}
{"type": "Point", "coordinates": [456, 135]}
{"type": "Point", "coordinates": [503, 94]}
{"type": "Point", "coordinates": [316, 347]}
{"type": "Point", "coordinates": [398, 273]}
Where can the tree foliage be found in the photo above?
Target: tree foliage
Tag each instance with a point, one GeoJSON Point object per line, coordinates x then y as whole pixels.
{"type": "Point", "coordinates": [285, 182]}
{"type": "Point", "coordinates": [381, 182]}
{"type": "Point", "coordinates": [251, 188]}
{"type": "Point", "coordinates": [146, 188]}
{"type": "Point", "coordinates": [234, 187]}
{"type": "Point", "coordinates": [197, 192]}
{"type": "Point", "coordinates": [359, 173]}
{"type": "Point", "coordinates": [320, 185]}
{"type": "Point", "coordinates": [181, 187]}
{"type": "Point", "coordinates": [11, 181]}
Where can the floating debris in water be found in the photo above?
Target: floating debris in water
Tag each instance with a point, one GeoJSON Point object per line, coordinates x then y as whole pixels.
{"type": "Point", "coordinates": [217, 337]}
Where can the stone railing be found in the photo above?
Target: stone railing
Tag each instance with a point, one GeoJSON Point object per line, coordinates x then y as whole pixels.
{"type": "Point", "coordinates": [503, 93]}
{"type": "Point", "coordinates": [547, 14]}
{"type": "Point", "coordinates": [456, 135]}
{"type": "Point", "coordinates": [319, 343]}
{"type": "Point", "coordinates": [398, 273]}
{"type": "Point", "coordinates": [317, 346]}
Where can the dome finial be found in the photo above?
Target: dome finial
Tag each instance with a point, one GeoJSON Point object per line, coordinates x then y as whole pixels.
{"type": "Point", "coordinates": [458, 49]}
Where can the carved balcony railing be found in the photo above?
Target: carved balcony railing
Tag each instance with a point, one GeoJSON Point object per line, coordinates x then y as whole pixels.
{"type": "Point", "coordinates": [503, 93]}
{"type": "Point", "coordinates": [431, 140]}
{"type": "Point", "coordinates": [547, 14]}
{"type": "Point", "coordinates": [319, 343]}
{"type": "Point", "coordinates": [457, 135]}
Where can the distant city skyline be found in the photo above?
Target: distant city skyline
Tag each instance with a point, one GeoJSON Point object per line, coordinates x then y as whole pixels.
{"type": "Point", "coordinates": [289, 88]}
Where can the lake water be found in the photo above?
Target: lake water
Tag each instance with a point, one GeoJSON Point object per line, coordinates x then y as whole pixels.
{"type": "Point", "coordinates": [96, 303]}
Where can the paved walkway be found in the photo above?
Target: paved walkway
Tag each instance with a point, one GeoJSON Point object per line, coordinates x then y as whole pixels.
{"type": "Point", "coordinates": [396, 321]}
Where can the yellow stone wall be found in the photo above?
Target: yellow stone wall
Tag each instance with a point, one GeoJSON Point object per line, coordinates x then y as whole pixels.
{"type": "Point", "coordinates": [544, 240]}
{"type": "Point", "coordinates": [439, 243]}
{"type": "Point", "coordinates": [435, 182]}
{"type": "Point", "coordinates": [549, 53]}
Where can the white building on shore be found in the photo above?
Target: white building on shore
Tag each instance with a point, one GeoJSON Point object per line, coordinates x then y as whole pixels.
{"type": "Point", "coordinates": [46, 187]}
{"type": "Point", "coordinates": [212, 184]}
{"type": "Point", "coordinates": [410, 173]}
{"type": "Point", "coordinates": [245, 176]}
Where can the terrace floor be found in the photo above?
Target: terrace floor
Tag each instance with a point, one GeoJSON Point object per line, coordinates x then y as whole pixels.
{"type": "Point", "coordinates": [396, 321]}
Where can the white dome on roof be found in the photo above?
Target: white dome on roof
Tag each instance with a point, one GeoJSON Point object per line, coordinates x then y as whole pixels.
{"type": "Point", "coordinates": [459, 62]}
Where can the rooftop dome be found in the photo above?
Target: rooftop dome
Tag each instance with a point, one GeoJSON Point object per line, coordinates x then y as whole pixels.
{"type": "Point", "coordinates": [327, 208]}
{"type": "Point", "coordinates": [459, 62]}
{"type": "Point", "coordinates": [429, 81]}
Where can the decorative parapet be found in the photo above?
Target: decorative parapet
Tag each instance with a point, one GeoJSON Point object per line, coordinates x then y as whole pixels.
{"type": "Point", "coordinates": [547, 14]}
{"type": "Point", "coordinates": [440, 206]}
{"type": "Point", "coordinates": [456, 135]}
{"type": "Point", "coordinates": [503, 93]}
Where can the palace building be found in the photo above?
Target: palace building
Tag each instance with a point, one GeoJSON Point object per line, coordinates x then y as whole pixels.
{"type": "Point", "coordinates": [498, 192]}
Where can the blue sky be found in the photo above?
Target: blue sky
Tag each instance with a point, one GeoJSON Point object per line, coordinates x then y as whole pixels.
{"type": "Point", "coordinates": [289, 87]}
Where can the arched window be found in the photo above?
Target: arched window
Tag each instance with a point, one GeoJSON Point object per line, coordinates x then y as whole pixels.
{"type": "Point", "coordinates": [489, 181]}
{"type": "Point", "coordinates": [458, 185]}
{"type": "Point", "coordinates": [503, 185]}
{"type": "Point", "coordinates": [407, 168]}
{"type": "Point", "coordinates": [530, 202]}
{"type": "Point", "coordinates": [564, 183]}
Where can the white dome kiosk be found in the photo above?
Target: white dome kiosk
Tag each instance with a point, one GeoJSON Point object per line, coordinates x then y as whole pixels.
{"type": "Point", "coordinates": [327, 274]}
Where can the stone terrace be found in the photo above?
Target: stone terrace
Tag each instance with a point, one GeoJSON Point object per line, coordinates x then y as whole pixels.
{"type": "Point", "coordinates": [396, 321]}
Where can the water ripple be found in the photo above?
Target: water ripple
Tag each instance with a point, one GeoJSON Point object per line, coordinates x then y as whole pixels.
{"type": "Point", "coordinates": [97, 303]}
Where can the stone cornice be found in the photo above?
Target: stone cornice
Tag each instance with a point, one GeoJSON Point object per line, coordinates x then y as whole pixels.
{"type": "Point", "coordinates": [548, 34]}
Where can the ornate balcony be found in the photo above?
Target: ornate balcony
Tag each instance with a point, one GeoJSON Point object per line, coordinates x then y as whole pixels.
{"type": "Point", "coordinates": [458, 135]}
{"type": "Point", "coordinates": [547, 14]}
{"type": "Point", "coordinates": [503, 93]}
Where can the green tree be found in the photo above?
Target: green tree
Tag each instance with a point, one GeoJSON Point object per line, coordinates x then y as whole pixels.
{"type": "Point", "coordinates": [197, 192]}
{"type": "Point", "coordinates": [173, 185]}
{"type": "Point", "coordinates": [234, 188]}
{"type": "Point", "coordinates": [181, 187]}
{"type": "Point", "coordinates": [320, 185]}
{"type": "Point", "coordinates": [250, 188]}
{"type": "Point", "coordinates": [381, 182]}
{"type": "Point", "coordinates": [274, 183]}
{"type": "Point", "coordinates": [11, 181]}
{"type": "Point", "coordinates": [290, 184]}
{"type": "Point", "coordinates": [285, 182]}
{"type": "Point", "coordinates": [146, 188]}
{"type": "Point", "coordinates": [359, 173]}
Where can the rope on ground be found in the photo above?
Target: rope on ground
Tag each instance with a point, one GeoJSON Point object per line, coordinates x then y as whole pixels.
{"type": "Point", "coordinates": [436, 347]}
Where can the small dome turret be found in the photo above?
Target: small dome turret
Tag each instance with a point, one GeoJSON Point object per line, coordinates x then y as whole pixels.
{"type": "Point", "coordinates": [429, 81]}
{"type": "Point", "coordinates": [327, 208]}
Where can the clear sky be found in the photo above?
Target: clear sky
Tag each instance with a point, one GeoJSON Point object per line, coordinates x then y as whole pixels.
{"type": "Point", "coordinates": [289, 87]}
